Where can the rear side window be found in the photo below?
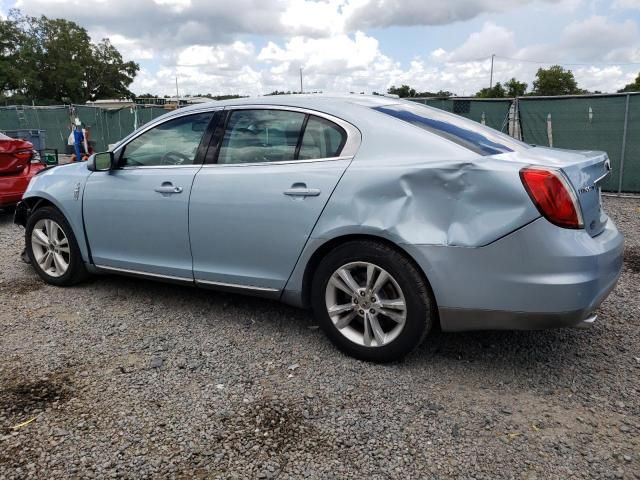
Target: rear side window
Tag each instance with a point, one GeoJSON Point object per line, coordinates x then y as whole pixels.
{"type": "Point", "coordinates": [254, 136]}
{"type": "Point", "coordinates": [321, 139]}
{"type": "Point", "coordinates": [466, 133]}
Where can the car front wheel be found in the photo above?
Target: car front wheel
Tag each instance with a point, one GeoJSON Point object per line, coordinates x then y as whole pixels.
{"type": "Point", "coordinates": [53, 249]}
{"type": "Point", "coordinates": [371, 301]}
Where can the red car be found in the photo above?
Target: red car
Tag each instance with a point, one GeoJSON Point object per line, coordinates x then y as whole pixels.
{"type": "Point", "coordinates": [17, 167]}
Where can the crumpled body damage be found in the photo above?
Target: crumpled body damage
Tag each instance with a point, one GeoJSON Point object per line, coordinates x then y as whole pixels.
{"type": "Point", "coordinates": [455, 203]}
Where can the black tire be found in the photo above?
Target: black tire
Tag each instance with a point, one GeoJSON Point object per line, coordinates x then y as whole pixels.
{"type": "Point", "coordinates": [420, 311]}
{"type": "Point", "coordinates": [76, 272]}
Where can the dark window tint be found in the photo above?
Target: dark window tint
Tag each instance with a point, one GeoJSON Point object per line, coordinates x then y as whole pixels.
{"type": "Point", "coordinates": [321, 139]}
{"type": "Point", "coordinates": [466, 133]}
{"type": "Point", "coordinates": [261, 136]}
{"type": "Point", "coordinates": [171, 143]}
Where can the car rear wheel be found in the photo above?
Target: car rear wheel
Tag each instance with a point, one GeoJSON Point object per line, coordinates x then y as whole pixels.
{"type": "Point", "coordinates": [53, 249]}
{"type": "Point", "coordinates": [371, 301]}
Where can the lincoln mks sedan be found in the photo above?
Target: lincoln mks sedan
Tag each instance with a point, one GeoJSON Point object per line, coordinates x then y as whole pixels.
{"type": "Point", "coordinates": [386, 218]}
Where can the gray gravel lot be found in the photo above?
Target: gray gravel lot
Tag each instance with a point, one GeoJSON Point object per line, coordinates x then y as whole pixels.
{"type": "Point", "coordinates": [135, 379]}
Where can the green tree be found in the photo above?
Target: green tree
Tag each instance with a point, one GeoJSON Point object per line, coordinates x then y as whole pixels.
{"type": "Point", "coordinates": [403, 92]}
{"type": "Point", "coordinates": [497, 91]}
{"type": "Point", "coordinates": [107, 75]}
{"type": "Point", "coordinates": [10, 68]}
{"type": "Point", "coordinates": [515, 88]}
{"type": "Point", "coordinates": [632, 87]}
{"type": "Point", "coordinates": [406, 91]}
{"type": "Point", "coordinates": [55, 60]}
{"type": "Point", "coordinates": [555, 81]}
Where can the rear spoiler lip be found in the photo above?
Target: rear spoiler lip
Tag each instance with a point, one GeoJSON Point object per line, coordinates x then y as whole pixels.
{"type": "Point", "coordinates": [607, 166]}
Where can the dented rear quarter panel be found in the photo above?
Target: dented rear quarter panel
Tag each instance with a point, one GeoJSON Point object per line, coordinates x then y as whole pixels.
{"type": "Point", "coordinates": [419, 190]}
{"type": "Point", "coordinates": [422, 189]}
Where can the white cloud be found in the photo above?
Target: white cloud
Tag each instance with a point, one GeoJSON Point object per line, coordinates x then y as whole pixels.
{"type": "Point", "coordinates": [363, 14]}
{"type": "Point", "coordinates": [256, 46]}
{"type": "Point", "coordinates": [313, 19]}
{"type": "Point", "coordinates": [492, 39]}
{"type": "Point", "coordinates": [175, 5]}
{"type": "Point", "coordinates": [129, 47]}
{"type": "Point", "coordinates": [602, 78]}
{"type": "Point", "coordinates": [184, 22]}
{"type": "Point", "coordinates": [598, 36]}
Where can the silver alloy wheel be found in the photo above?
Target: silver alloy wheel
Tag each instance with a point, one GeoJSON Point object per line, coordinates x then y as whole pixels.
{"type": "Point", "coordinates": [50, 247]}
{"type": "Point", "coordinates": [366, 304]}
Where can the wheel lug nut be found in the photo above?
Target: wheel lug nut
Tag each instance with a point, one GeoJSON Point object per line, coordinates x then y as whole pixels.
{"type": "Point", "coordinates": [361, 312]}
{"type": "Point", "coordinates": [372, 310]}
{"type": "Point", "coordinates": [362, 294]}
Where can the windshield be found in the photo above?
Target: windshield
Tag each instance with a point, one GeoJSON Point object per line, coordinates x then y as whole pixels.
{"type": "Point", "coordinates": [462, 131]}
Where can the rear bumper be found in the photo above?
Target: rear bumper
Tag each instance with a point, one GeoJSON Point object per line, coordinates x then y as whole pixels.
{"type": "Point", "coordinates": [538, 277]}
{"type": "Point", "coordinates": [11, 191]}
{"type": "Point", "coordinates": [12, 187]}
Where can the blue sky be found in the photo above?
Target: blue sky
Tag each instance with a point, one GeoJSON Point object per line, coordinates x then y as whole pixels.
{"type": "Point", "coordinates": [253, 46]}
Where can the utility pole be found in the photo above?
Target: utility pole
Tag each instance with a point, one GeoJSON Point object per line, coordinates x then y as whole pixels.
{"type": "Point", "coordinates": [301, 90]}
{"type": "Point", "coordinates": [177, 95]}
{"type": "Point", "coordinates": [491, 77]}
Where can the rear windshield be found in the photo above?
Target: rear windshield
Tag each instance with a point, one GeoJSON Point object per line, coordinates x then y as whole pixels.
{"type": "Point", "coordinates": [466, 133]}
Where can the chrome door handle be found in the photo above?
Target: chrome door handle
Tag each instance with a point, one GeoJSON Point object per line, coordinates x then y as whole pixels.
{"type": "Point", "coordinates": [302, 192]}
{"type": "Point", "coordinates": [168, 189]}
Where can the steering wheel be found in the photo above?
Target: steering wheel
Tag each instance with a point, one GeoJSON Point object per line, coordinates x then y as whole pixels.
{"type": "Point", "coordinates": [175, 158]}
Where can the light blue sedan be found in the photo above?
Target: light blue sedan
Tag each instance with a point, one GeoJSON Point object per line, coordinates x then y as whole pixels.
{"type": "Point", "coordinates": [385, 217]}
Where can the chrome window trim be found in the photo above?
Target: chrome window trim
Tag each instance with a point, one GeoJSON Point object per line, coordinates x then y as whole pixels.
{"type": "Point", "coordinates": [146, 167]}
{"type": "Point", "coordinates": [350, 148]}
{"type": "Point", "coordinates": [144, 274]}
{"type": "Point", "coordinates": [235, 285]}
{"type": "Point", "coordinates": [281, 162]}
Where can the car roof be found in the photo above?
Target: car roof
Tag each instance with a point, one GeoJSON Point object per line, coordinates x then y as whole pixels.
{"type": "Point", "coordinates": [334, 104]}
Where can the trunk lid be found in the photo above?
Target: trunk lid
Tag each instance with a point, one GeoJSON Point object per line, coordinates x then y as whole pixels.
{"type": "Point", "coordinates": [585, 170]}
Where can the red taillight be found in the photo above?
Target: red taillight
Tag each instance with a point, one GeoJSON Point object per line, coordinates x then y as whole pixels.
{"type": "Point", "coordinates": [24, 155]}
{"type": "Point", "coordinates": [553, 196]}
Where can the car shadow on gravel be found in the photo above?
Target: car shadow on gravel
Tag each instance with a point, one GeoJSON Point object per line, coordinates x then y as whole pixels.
{"type": "Point", "coordinates": [508, 349]}
{"type": "Point", "coordinates": [6, 216]}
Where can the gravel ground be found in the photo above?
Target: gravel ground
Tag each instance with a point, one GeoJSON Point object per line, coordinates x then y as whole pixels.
{"type": "Point", "coordinates": [135, 379]}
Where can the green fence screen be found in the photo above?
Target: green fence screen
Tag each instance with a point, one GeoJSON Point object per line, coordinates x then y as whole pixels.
{"type": "Point", "coordinates": [106, 126]}
{"type": "Point", "coordinates": [494, 111]}
{"type": "Point", "coordinates": [631, 172]}
{"type": "Point", "coordinates": [594, 122]}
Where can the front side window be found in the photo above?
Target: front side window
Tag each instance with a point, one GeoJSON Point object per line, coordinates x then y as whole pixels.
{"type": "Point", "coordinates": [464, 132]}
{"type": "Point", "coordinates": [254, 136]}
{"type": "Point", "coordinates": [171, 143]}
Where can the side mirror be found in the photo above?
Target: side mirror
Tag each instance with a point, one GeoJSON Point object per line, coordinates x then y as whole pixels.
{"type": "Point", "coordinates": [101, 162]}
